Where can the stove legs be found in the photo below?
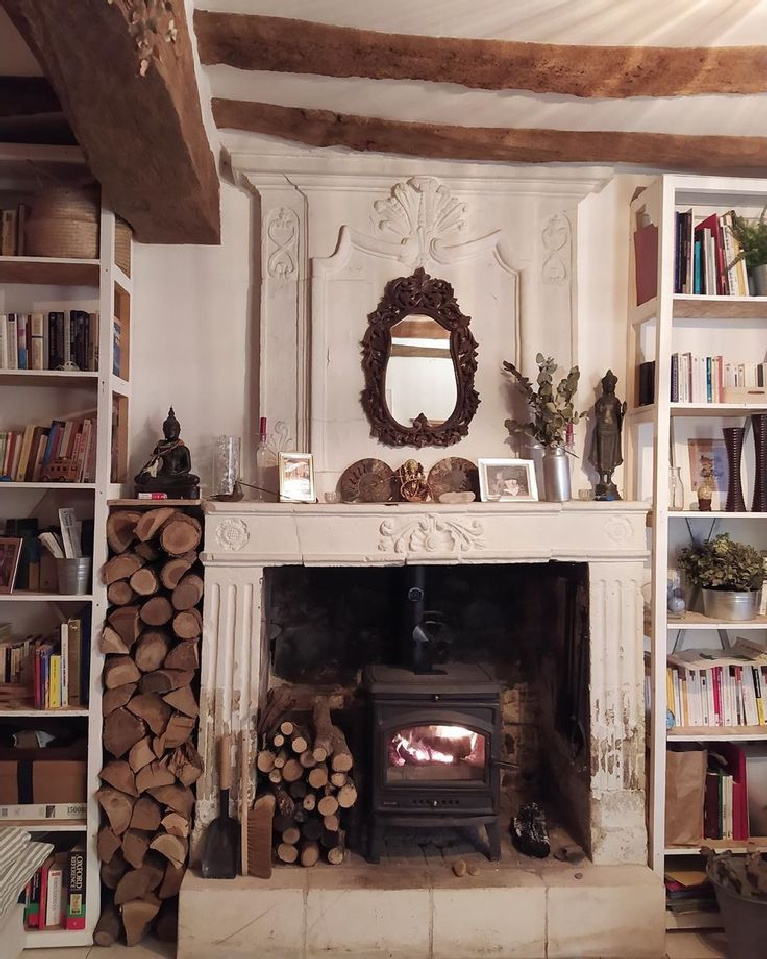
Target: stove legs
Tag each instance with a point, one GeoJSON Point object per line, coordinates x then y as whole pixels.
{"type": "Point", "coordinates": [379, 824]}
{"type": "Point", "coordinates": [494, 840]}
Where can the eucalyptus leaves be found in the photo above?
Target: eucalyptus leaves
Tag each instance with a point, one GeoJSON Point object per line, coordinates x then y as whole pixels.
{"type": "Point", "coordinates": [551, 407]}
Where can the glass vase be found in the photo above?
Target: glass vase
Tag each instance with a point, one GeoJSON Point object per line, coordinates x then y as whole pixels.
{"type": "Point", "coordinates": [675, 488]}
{"type": "Point", "coordinates": [226, 469]}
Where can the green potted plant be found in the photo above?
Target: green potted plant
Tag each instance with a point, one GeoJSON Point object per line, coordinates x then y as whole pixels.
{"type": "Point", "coordinates": [752, 238]}
{"type": "Point", "coordinates": [552, 412]}
{"type": "Point", "coordinates": [730, 575]}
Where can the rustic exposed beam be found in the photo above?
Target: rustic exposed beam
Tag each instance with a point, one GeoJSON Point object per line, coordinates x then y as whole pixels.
{"type": "Point", "coordinates": [373, 134]}
{"type": "Point", "coordinates": [143, 137]}
{"type": "Point", "coordinates": [254, 42]}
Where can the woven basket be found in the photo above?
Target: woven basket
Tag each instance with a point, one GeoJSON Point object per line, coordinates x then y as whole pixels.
{"type": "Point", "coordinates": [64, 222]}
{"type": "Point", "coordinates": [123, 242]}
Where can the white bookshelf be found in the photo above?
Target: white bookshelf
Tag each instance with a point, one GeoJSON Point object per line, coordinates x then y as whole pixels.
{"type": "Point", "coordinates": [707, 325]}
{"type": "Point", "coordinates": [99, 286]}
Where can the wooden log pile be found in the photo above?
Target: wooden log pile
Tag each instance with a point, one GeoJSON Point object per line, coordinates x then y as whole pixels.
{"type": "Point", "coordinates": [306, 777]}
{"type": "Point", "coordinates": [151, 640]}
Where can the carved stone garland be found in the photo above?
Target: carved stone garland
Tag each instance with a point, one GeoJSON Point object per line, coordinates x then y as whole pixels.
{"type": "Point", "coordinates": [404, 296]}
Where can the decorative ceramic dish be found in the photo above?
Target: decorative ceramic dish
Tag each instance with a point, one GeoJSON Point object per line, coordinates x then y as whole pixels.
{"type": "Point", "coordinates": [368, 481]}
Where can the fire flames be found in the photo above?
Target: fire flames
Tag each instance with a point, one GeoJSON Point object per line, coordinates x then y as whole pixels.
{"type": "Point", "coordinates": [425, 745]}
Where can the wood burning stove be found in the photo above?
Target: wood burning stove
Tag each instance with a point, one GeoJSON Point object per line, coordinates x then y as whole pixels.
{"type": "Point", "coordinates": [436, 750]}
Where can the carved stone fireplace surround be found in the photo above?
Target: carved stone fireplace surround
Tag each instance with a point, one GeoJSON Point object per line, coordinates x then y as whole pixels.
{"type": "Point", "coordinates": [614, 908]}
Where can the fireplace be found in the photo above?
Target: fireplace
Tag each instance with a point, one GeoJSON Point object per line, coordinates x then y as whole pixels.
{"type": "Point", "coordinates": [436, 751]}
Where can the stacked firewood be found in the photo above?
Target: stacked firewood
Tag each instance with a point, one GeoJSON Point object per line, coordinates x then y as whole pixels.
{"type": "Point", "coordinates": [151, 640]}
{"type": "Point", "coordinates": [307, 777]}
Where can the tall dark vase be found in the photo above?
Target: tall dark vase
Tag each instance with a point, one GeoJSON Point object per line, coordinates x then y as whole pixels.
{"type": "Point", "coordinates": [759, 423]}
{"type": "Point", "coordinates": [733, 441]}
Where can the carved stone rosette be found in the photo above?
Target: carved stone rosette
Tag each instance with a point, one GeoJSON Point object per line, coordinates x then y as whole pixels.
{"type": "Point", "coordinates": [421, 294]}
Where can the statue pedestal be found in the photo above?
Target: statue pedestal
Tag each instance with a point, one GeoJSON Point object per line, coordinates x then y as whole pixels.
{"type": "Point", "coordinates": [188, 489]}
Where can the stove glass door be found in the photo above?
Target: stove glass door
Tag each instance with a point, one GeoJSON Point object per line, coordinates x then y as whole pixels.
{"type": "Point", "coordinates": [430, 753]}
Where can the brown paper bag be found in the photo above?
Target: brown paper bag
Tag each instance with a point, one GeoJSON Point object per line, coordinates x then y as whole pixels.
{"type": "Point", "coordinates": [685, 794]}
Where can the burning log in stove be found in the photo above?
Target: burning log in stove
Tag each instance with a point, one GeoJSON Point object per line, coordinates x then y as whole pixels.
{"type": "Point", "coordinates": [309, 771]}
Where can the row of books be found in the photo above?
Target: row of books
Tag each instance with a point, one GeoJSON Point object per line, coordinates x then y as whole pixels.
{"type": "Point", "coordinates": [688, 889]}
{"type": "Point", "coordinates": [55, 896]}
{"type": "Point", "coordinates": [703, 690]}
{"type": "Point", "coordinates": [54, 666]}
{"type": "Point", "coordinates": [707, 255]}
{"type": "Point", "coordinates": [706, 379]}
{"type": "Point", "coordinates": [28, 455]}
{"type": "Point", "coordinates": [61, 339]}
{"type": "Point", "coordinates": [14, 221]}
{"type": "Point", "coordinates": [725, 808]}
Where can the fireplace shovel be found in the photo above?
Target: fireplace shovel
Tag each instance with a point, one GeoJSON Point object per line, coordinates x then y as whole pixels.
{"type": "Point", "coordinates": [222, 839]}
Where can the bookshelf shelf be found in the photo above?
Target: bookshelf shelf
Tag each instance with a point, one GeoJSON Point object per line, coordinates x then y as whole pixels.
{"type": "Point", "coordinates": [719, 845]}
{"type": "Point", "coordinates": [31, 712]}
{"type": "Point", "coordinates": [698, 734]}
{"type": "Point", "coordinates": [693, 620]}
{"type": "Point", "coordinates": [120, 386]}
{"type": "Point", "coordinates": [25, 596]}
{"type": "Point", "coordinates": [58, 938]}
{"type": "Point", "coordinates": [57, 825]}
{"type": "Point", "coordinates": [699, 306]}
{"type": "Point", "coordinates": [54, 378]}
{"type": "Point", "coordinates": [48, 271]}
{"type": "Point", "coordinates": [714, 514]}
{"type": "Point", "coordinates": [716, 409]}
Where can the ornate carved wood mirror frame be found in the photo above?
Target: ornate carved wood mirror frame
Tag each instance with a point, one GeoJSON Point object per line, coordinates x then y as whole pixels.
{"type": "Point", "coordinates": [418, 294]}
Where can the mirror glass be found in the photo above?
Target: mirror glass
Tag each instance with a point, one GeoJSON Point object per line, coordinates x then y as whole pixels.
{"type": "Point", "coordinates": [420, 375]}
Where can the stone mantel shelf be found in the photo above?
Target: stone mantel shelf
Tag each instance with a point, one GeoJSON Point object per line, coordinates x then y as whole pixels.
{"type": "Point", "coordinates": [321, 534]}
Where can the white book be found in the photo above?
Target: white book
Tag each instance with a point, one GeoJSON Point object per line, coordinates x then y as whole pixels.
{"type": "Point", "coordinates": [749, 696]}
{"type": "Point", "coordinates": [12, 342]}
{"type": "Point", "coordinates": [53, 896]}
{"type": "Point", "coordinates": [37, 812]}
{"type": "Point", "coordinates": [3, 341]}
{"type": "Point", "coordinates": [64, 637]}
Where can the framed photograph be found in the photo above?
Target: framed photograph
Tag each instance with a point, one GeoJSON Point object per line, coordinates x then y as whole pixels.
{"type": "Point", "coordinates": [297, 478]}
{"type": "Point", "coordinates": [10, 550]}
{"type": "Point", "coordinates": [708, 460]}
{"type": "Point", "coordinates": [507, 481]}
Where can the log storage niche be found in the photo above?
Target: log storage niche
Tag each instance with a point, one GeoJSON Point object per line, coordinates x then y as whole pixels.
{"type": "Point", "coordinates": [151, 705]}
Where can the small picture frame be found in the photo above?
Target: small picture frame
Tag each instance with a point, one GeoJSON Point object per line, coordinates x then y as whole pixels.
{"type": "Point", "coordinates": [507, 481]}
{"type": "Point", "coordinates": [297, 478]}
{"type": "Point", "coordinates": [10, 550]}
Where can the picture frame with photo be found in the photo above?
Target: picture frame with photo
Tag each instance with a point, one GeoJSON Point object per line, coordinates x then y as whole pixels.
{"type": "Point", "coordinates": [10, 551]}
{"type": "Point", "coordinates": [507, 481]}
{"type": "Point", "coordinates": [708, 460]}
{"type": "Point", "coordinates": [297, 478]}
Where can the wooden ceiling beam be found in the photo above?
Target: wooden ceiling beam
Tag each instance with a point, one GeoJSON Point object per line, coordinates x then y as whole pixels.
{"type": "Point", "coordinates": [143, 137]}
{"type": "Point", "coordinates": [438, 141]}
{"type": "Point", "coordinates": [254, 42]}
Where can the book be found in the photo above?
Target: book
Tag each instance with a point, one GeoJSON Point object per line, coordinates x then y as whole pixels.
{"type": "Point", "coordinates": [54, 894]}
{"type": "Point", "coordinates": [13, 346]}
{"type": "Point", "coordinates": [8, 238]}
{"type": "Point", "coordinates": [22, 354]}
{"type": "Point", "coordinates": [3, 341]}
{"type": "Point", "coordinates": [74, 913]}
{"type": "Point", "coordinates": [38, 812]}
{"type": "Point", "coordinates": [37, 358]}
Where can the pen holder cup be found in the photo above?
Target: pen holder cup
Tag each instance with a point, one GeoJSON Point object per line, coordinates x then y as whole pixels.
{"type": "Point", "coordinates": [74, 576]}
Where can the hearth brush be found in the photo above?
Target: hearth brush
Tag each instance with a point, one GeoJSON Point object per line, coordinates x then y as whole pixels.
{"type": "Point", "coordinates": [222, 840]}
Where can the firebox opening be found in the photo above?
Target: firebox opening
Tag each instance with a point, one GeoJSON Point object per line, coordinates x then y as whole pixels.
{"type": "Point", "coordinates": [528, 622]}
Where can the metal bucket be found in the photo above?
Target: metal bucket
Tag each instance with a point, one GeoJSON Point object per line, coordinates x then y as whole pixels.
{"type": "Point", "coordinates": [727, 606]}
{"type": "Point", "coordinates": [556, 475]}
{"type": "Point", "coordinates": [745, 922]}
{"type": "Point", "coordinates": [74, 576]}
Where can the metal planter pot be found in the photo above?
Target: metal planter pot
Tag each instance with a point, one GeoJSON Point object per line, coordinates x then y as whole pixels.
{"type": "Point", "coordinates": [556, 475]}
{"type": "Point", "coordinates": [727, 606]}
{"type": "Point", "coordinates": [759, 273]}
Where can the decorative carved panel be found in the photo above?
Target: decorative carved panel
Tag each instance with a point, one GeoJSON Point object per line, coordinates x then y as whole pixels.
{"type": "Point", "coordinates": [282, 244]}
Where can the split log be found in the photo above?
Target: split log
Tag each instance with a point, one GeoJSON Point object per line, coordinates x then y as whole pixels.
{"type": "Point", "coordinates": [327, 806]}
{"type": "Point", "coordinates": [338, 779]}
{"type": "Point", "coordinates": [151, 520]}
{"type": "Point", "coordinates": [180, 535]}
{"type": "Point", "coordinates": [140, 882]}
{"type": "Point", "coordinates": [186, 764]}
{"type": "Point", "coordinates": [119, 670]}
{"type": "Point", "coordinates": [309, 801]}
{"type": "Point", "coordinates": [275, 776]}
{"type": "Point", "coordinates": [135, 844]}
{"type": "Point", "coordinates": [185, 655]}
{"type": "Point", "coordinates": [175, 568]}
{"type": "Point", "coordinates": [109, 926]}
{"type": "Point", "coordinates": [292, 770]}
{"type": "Point", "coordinates": [154, 775]}
{"type": "Point", "coordinates": [178, 798]}
{"type": "Point", "coordinates": [166, 924]}
{"type": "Point", "coordinates": [183, 700]}
{"type": "Point", "coordinates": [147, 551]}
{"type": "Point", "coordinates": [347, 795]}
{"type": "Point", "coordinates": [152, 709]}
{"type": "Point", "coordinates": [136, 916]}
{"type": "Point", "coordinates": [156, 611]}
{"type": "Point", "coordinates": [285, 804]}
{"type": "Point", "coordinates": [171, 884]}
{"type": "Point", "coordinates": [342, 759]}
{"type": "Point", "coordinates": [111, 872]}
{"type": "Point", "coordinates": [280, 759]}
{"type": "Point", "coordinates": [188, 593]}
{"type": "Point", "coordinates": [312, 829]}
{"type": "Point", "coordinates": [115, 698]}
{"type": "Point", "coordinates": [107, 844]}
{"type": "Point", "coordinates": [299, 742]}
{"type": "Point", "coordinates": [188, 624]}
{"type": "Point", "coordinates": [147, 814]}
{"type": "Point", "coordinates": [291, 835]}
{"type": "Point", "coordinates": [122, 566]}
{"type": "Point", "coordinates": [151, 650]}
{"type": "Point", "coordinates": [265, 761]}
{"type": "Point", "coordinates": [323, 729]}
{"type": "Point", "coordinates": [175, 824]}
{"type": "Point", "coordinates": [121, 731]}
{"type": "Point", "coordinates": [117, 806]}
{"type": "Point", "coordinates": [120, 593]}
{"type": "Point", "coordinates": [125, 621]}
{"type": "Point", "coordinates": [318, 776]}
{"type": "Point", "coordinates": [307, 760]}
{"type": "Point", "coordinates": [286, 727]}
{"type": "Point", "coordinates": [259, 837]}
{"type": "Point", "coordinates": [310, 854]}
{"type": "Point", "coordinates": [112, 642]}
{"type": "Point", "coordinates": [178, 730]}
{"type": "Point", "coordinates": [287, 853]}
{"type": "Point", "coordinates": [336, 853]}
{"type": "Point", "coordinates": [118, 774]}
{"type": "Point", "coordinates": [174, 848]}
{"type": "Point", "coordinates": [158, 746]}
{"type": "Point", "coordinates": [141, 754]}
{"type": "Point", "coordinates": [145, 582]}
{"type": "Point", "coordinates": [163, 681]}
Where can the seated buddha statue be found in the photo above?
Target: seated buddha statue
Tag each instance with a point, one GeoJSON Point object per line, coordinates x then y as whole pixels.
{"type": "Point", "coordinates": [168, 468]}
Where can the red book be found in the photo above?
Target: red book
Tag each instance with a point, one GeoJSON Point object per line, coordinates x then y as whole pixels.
{"type": "Point", "coordinates": [736, 767]}
{"type": "Point", "coordinates": [646, 263]}
{"type": "Point", "coordinates": [717, 671]}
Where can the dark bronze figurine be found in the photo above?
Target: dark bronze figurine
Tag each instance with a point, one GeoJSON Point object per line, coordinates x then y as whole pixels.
{"type": "Point", "coordinates": [606, 453]}
{"type": "Point", "coordinates": [168, 468]}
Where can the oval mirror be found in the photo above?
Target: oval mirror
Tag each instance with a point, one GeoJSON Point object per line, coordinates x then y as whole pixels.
{"type": "Point", "coordinates": [419, 359]}
{"type": "Point", "coordinates": [420, 376]}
